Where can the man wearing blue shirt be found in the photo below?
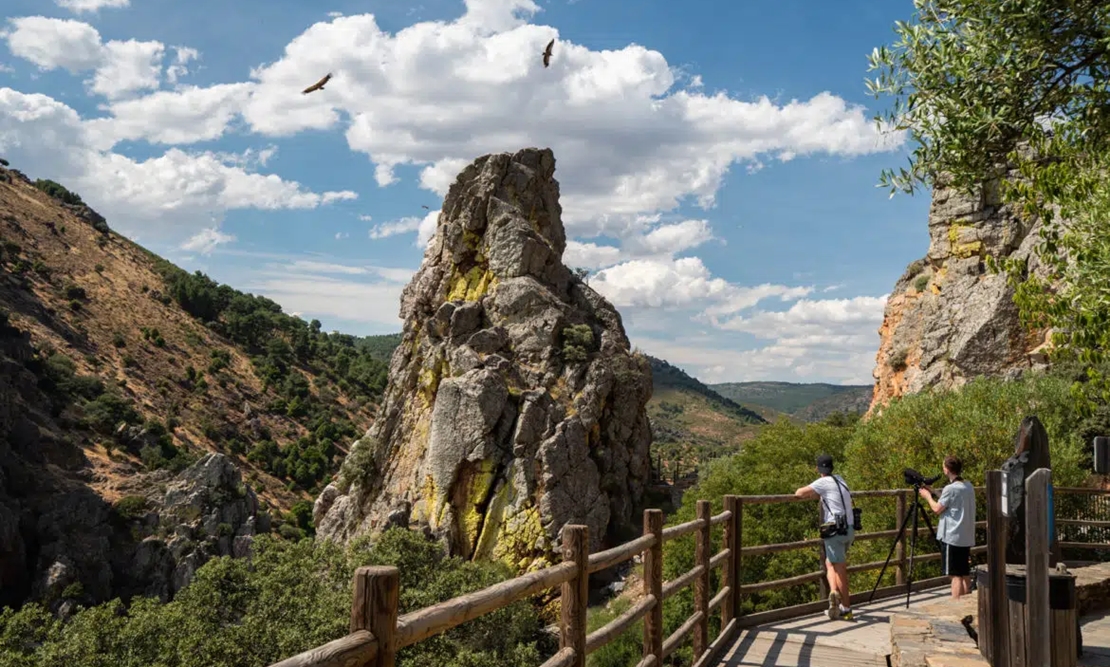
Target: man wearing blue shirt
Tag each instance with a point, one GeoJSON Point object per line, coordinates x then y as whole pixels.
{"type": "Point", "coordinates": [956, 528]}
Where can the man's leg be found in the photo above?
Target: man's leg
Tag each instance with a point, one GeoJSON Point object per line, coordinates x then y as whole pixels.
{"type": "Point", "coordinates": [957, 587]}
{"type": "Point", "coordinates": [966, 581]}
{"type": "Point", "coordinates": [841, 570]}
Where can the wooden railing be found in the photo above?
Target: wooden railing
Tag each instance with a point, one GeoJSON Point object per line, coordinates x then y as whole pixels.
{"type": "Point", "coordinates": [377, 632]}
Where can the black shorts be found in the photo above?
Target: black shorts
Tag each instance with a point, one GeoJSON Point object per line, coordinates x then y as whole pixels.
{"type": "Point", "coordinates": [955, 561]}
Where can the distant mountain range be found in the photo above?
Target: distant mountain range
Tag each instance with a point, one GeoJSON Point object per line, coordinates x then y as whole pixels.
{"type": "Point", "coordinates": [803, 401]}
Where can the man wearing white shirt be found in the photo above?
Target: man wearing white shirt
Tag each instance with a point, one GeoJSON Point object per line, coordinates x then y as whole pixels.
{"type": "Point", "coordinates": [836, 501]}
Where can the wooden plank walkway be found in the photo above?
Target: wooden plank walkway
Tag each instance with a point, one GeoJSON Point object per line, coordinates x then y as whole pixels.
{"type": "Point", "coordinates": [815, 641]}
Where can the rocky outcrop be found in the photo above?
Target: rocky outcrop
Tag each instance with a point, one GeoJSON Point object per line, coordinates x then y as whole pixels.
{"type": "Point", "coordinates": [514, 405]}
{"type": "Point", "coordinates": [62, 543]}
{"type": "Point", "coordinates": [948, 319]}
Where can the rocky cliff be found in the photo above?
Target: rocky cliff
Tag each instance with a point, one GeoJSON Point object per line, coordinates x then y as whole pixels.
{"type": "Point", "coordinates": [514, 405]}
{"type": "Point", "coordinates": [948, 318]}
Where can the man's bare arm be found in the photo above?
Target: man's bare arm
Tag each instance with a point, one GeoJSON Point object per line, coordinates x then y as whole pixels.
{"type": "Point", "coordinates": [806, 492]}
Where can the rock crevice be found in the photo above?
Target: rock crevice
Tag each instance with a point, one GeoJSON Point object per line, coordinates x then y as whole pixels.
{"type": "Point", "coordinates": [514, 404]}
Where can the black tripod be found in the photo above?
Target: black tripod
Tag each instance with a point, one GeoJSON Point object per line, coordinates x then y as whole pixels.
{"type": "Point", "coordinates": [913, 511]}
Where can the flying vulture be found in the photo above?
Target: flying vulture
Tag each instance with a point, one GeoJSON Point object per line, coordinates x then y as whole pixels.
{"type": "Point", "coordinates": [319, 85]}
{"type": "Point", "coordinates": [547, 53]}
{"type": "Point", "coordinates": [425, 207]}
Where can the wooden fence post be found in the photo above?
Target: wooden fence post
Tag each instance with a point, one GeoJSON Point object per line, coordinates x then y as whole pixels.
{"type": "Point", "coordinates": [996, 570]}
{"type": "Point", "coordinates": [728, 574]}
{"type": "Point", "coordinates": [900, 548]}
{"type": "Point", "coordinates": [701, 584]}
{"type": "Point", "coordinates": [1037, 613]}
{"type": "Point", "coordinates": [576, 592]}
{"type": "Point", "coordinates": [653, 585]}
{"type": "Point", "coordinates": [374, 607]}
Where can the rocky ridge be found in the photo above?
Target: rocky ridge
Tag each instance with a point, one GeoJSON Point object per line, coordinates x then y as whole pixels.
{"type": "Point", "coordinates": [514, 404]}
{"type": "Point", "coordinates": [948, 319]}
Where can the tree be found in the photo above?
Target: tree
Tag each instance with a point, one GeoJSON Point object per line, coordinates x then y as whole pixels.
{"type": "Point", "coordinates": [981, 85]}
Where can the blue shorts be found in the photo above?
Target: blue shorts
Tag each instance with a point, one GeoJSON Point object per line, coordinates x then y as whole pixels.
{"type": "Point", "coordinates": [836, 547]}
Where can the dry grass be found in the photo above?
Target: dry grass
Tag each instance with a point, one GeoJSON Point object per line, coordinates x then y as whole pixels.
{"type": "Point", "coordinates": [122, 286]}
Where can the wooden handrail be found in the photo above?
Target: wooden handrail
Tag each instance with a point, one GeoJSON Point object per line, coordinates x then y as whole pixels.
{"type": "Point", "coordinates": [610, 630]}
{"type": "Point", "coordinates": [604, 560]}
{"type": "Point", "coordinates": [377, 633]}
{"type": "Point", "coordinates": [419, 625]}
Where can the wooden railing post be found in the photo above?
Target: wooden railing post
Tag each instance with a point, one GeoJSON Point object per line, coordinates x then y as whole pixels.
{"type": "Point", "coordinates": [576, 592]}
{"type": "Point", "coordinates": [653, 585]}
{"type": "Point", "coordinates": [701, 584]}
{"type": "Point", "coordinates": [729, 609]}
{"type": "Point", "coordinates": [1037, 627]}
{"type": "Point", "coordinates": [377, 592]}
{"type": "Point", "coordinates": [996, 570]}
{"type": "Point", "coordinates": [900, 547]}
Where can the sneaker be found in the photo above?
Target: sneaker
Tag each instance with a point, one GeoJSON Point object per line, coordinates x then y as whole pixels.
{"type": "Point", "coordinates": [833, 612]}
{"type": "Point", "coordinates": [846, 615]}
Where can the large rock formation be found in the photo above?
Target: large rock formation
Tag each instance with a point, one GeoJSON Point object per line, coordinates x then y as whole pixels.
{"type": "Point", "coordinates": [514, 406]}
{"type": "Point", "coordinates": [948, 318]}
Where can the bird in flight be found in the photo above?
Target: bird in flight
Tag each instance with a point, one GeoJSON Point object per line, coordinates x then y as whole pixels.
{"type": "Point", "coordinates": [547, 53]}
{"type": "Point", "coordinates": [319, 85]}
{"type": "Point", "coordinates": [425, 207]}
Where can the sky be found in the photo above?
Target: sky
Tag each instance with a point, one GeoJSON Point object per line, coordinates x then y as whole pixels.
{"type": "Point", "coordinates": [717, 161]}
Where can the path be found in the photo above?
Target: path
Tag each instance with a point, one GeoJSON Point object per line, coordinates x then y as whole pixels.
{"type": "Point", "coordinates": [815, 641]}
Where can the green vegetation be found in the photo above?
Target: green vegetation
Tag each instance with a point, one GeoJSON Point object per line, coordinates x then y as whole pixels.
{"type": "Point", "coordinates": [578, 342]}
{"type": "Point", "coordinates": [58, 191]}
{"type": "Point", "coordinates": [282, 350]}
{"type": "Point", "coordinates": [980, 84]}
{"type": "Point", "coordinates": [291, 596]}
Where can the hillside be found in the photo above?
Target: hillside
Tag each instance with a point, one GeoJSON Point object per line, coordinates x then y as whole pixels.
{"type": "Point", "coordinates": [690, 422]}
{"type": "Point", "coordinates": [148, 367]}
{"type": "Point", "coordinates": [804, 401]}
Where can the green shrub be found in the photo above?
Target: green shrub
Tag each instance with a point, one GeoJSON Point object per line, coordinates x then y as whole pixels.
{"type": "Point", "coordinates": [75, 292]}
{"type": "Point", "coordinates": [131, 507]}
{"type": "Point", "coordinates": [74, 591]}
{"type": "Point", "coordinates": [897, 360]}
{"type": "Point", "coordinates": [58, 191]}
{"type": "Point", "coordinates": [75, 305]}
{"type": "Point", "coordinates": [578, 342]}
{"type": "Point", "coordinates": [99, 268]}
{"type": "Point", "coordinates": [118, 340]}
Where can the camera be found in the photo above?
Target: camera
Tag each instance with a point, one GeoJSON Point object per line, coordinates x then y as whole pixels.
{"type": "Point", "coordinates": [914, 478]}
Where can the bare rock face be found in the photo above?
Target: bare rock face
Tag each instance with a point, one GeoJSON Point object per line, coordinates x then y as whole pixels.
{"type": "Point", "coordinates": [948, 318]}
{"type": "Point", "coordinates": [514, 405]}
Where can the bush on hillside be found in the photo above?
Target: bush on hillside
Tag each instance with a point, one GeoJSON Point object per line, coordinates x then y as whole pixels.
{"type": "Point", "coordinates": [58, 191]}
{"type": "Point", "coordinates": [288, 598]}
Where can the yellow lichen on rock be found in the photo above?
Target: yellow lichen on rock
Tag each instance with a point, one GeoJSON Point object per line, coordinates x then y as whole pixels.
{"type": "Point", "coordinates": [965, 250]}
{"type": "Point", "coordinates": [476, 495]}
{"type": "Point", "coordinates": [472, 285]}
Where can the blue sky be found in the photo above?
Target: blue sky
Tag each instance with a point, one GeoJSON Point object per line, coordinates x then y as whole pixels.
{"type": "Point", "coordinates": [717, 172]}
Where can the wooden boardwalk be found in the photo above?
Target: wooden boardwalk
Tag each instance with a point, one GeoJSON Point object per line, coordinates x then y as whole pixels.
{"type": "Point", "coordinates": [815, 641]}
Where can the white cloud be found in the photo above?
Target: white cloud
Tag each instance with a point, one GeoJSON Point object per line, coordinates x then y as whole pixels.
{"type": "Point", "coordinates": [183, 55]}
{"type": "Point", "coordinates": [387, 229]}
{"type": "Point", "coordinates": [206, 240]}
{"type": "Point", "coordinates": [366, 294]}
{"type": "Point", "coordinates": [341, 235]}
{"type": "Point", "coordinates": [80, 6]}
{"type": "Point", "coordinates": [630, 140]}
{"type": "Point", "coordinates": [119, 67]}
{"type": "Point", "coordinates": [366, 218]}
{"type": "Point", "coordinates": [184, 116]}
{"type": "Point", "coordinates": [164, 194]}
